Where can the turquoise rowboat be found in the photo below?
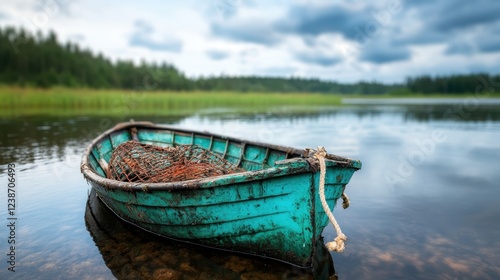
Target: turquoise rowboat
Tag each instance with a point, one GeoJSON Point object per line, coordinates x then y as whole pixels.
{"type": "Point", "coordinates": [272, 210]}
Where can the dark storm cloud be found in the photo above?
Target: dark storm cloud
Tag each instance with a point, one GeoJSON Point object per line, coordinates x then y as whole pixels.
{"type": "Point", "coordinates": [467, 27]}
{"type": "Point", "coordinates": [371, 30]}
{"type": "Point", "coordinates": [489, 44]}
{"type": "Point", "coordinates": [383, 52]}
{"type": "Point", "coordinates": [300, 20]}
{"type": "Point", "coordinates": [142, 38]}
{"type": "Point", "coordinates": [217, 54]}
{"type": "Point", "coordinates": [307, 20]}
{"type": "Point", "coordinates": [381, 32]}
{"type": "Point", "coordinates": [419, 38]}
{"type": "Point", "coordinates": [460, 15]}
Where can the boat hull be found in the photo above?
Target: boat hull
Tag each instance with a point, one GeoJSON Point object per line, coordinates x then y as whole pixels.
{"type": "Point", "coordinates": [119, 244]}
{"type": "Point", "coordinates": [273, 212]}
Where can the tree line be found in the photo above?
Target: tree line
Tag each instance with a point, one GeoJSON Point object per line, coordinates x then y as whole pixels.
{"type": "Point", "coordinates": [40, 60]}
{"type": "Point", "coordinates": [454, 84]}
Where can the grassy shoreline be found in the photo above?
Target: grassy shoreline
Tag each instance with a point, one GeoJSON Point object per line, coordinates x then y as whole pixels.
{"type": "Point", "coordinates": [120, 102]}
{"type": "Point", "coordinates": [64, 101]}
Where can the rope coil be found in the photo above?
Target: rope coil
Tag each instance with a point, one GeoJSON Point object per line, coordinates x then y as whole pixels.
{"type": "Point", "coordinates": [338, 244]}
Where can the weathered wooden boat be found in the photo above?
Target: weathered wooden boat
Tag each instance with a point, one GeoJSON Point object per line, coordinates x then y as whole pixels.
{"type": "Point", "coordinates": [273, 209]}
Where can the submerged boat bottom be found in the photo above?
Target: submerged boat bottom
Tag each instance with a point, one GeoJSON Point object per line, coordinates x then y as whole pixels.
{"type": "Point", "coordinates": [98, 214]}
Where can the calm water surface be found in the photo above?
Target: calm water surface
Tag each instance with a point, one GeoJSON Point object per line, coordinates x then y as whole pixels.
{"type": "Point", "coordinates": [424, 206]}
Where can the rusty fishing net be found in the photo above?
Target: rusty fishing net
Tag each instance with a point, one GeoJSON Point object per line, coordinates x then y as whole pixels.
{"type": "Point", "coordinates": [137, 162]}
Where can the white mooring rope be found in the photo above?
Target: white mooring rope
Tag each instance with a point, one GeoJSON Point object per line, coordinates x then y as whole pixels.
{"type": "Point", "coordinates": [337, 244]}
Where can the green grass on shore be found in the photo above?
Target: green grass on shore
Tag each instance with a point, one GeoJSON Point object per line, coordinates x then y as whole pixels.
{"type": "Point", "coordinates": [16, 101]}
{"type": "Point", "coordinates": [28, 101]}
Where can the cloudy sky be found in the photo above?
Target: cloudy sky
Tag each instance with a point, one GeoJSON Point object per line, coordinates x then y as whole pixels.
{"type": "Point", "coordinates": [345, 41]}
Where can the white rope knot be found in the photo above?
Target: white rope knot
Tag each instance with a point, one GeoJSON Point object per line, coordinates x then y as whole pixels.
{"type": "Point", "coordinates": [338, 244]}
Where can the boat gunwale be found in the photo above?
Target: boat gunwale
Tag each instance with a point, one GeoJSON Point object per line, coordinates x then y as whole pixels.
{"type": "Point", "coordinates": [214, 181]}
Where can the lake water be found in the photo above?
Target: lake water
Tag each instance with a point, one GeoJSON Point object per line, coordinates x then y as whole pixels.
{"type": "Point", "coordinates": [424, 206]}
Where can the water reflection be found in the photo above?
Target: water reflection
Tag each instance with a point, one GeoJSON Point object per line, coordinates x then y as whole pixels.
{"type": "Point", "coordinates": [26, 139]}
{"type": "Point", "coordinates": [131, 253]}
{"type": "Point", "coordinates": [440, 220]}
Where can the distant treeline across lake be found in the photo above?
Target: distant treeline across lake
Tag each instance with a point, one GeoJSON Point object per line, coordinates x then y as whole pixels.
{"type": "Point", "coordinates": [38, 60]}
